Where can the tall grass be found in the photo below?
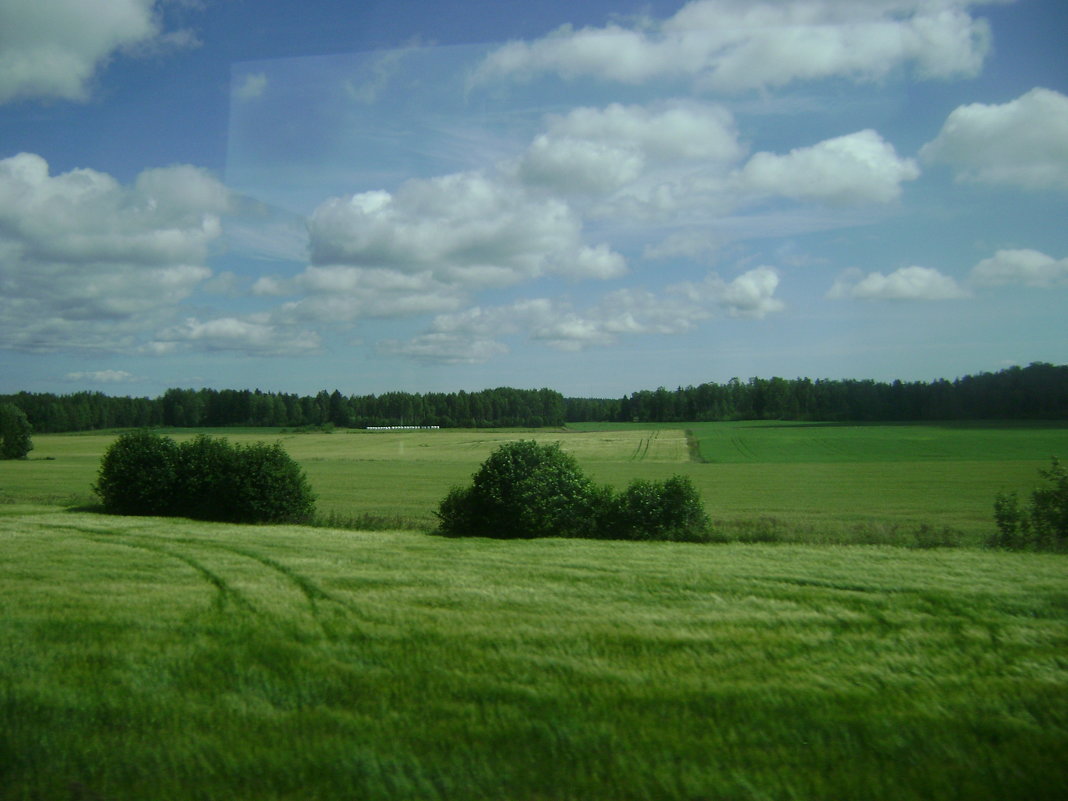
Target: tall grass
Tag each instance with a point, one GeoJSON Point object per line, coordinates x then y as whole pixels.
{"type": "Point", "coordinates": [151, 658]}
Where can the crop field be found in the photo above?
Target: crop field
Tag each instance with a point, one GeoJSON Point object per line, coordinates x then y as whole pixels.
{"type": "Point", "coordinates": [809, 656]}
{"type": "Point", "coordinates": [161, 658]}
{"type": "Point", "coordinates": [765, 481]}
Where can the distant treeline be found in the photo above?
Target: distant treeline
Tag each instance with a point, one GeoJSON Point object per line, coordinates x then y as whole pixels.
{"type": "Point", "coordinates": [1037, 392]}
{"type": "Point", "coordinates": [207, 408]}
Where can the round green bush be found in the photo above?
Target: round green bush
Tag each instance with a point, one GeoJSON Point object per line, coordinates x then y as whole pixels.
{"type": "Point", "coordinates": [659, 510]}
{"type": "Point", "coordinates": [206, 468]}
{"type": "Point", "coordinates": [267, 486]}
{"type": "Point", "coordinates": [139, 475]}
{"type": "Point", "coordinates": [143, 473]}
{"type": "Point", "coordinates": [523, 490]}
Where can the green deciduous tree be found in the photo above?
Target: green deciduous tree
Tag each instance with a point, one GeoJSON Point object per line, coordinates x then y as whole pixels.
{"type": "Point", "coordinates": [1043, 523]}
{"type": "Point", "coordinates": [15, 430]}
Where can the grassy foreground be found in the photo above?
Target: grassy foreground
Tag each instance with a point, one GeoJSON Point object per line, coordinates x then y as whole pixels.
{"type": "Point", "coordinates": [146, 658]}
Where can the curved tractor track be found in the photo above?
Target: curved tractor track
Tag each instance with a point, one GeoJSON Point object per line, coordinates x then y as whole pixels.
{"type": "Point", "coordinates": [235, 586]}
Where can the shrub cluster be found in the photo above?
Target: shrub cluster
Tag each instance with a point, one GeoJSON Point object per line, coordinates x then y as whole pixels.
{"type": "Point", "coordinates": [15, 430]}
{"type": "Point", "coordinates": [526, 490]}
{"type": "Point", "coordinates": [1043, 524]}
{"type": "Point", "coordinates": [144, 473]}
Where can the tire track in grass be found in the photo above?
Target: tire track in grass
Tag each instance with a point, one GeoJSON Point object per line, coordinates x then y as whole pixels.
{"type": "Point", "coordinates": [313, 593]}
{"type": "Point", "coordinates": [224, 591]}
{"type": "Point", "coordinates": [743, 448]}
{"type": "Point", "coordinates": [642, 450]}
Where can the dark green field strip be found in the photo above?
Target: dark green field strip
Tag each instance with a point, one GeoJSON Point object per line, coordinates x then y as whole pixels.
{"type": "Point", "coordinates": [773, 442]}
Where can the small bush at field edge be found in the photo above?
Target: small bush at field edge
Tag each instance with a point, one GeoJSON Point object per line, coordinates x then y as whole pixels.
{"type": "Point", "coordinates": [144, 473]}
{"type": "Point", "coordinates": [526, 490]}
{"type": "Point", "coordinates": [1043, 524]}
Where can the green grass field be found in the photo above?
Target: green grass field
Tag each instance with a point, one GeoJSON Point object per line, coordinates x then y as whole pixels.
{"type": "Point", "coordinates": [770, 481]}
{"type": "Point", "coordinates": [145, 658]}
{"type": "Point", "coordinates": [152, 658]}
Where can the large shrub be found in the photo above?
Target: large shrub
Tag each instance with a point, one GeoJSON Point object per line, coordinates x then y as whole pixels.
{"type": "Point", "coordinates": [267, 486]}
{"type": "Point", "coordinates": [658, 510]}
{"type": "Point", "coordinates": [529, 490]}
{"type": "Point", "coordinates": [15, 429]}
{"type": "Point", "coordinates": [1043, 524]}
{"type": "Point", "coordinates": [143, 473]}
{"type": "Point", "coordinates": [139, 475]}
{"type": "Point", "coordinates": [522, 490]}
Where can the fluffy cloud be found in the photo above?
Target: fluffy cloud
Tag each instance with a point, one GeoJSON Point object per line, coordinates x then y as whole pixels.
{"type": "Point", "coordinates": [87, 262]}
{"type": "Point", "coordinates": [101, 377]}
{"type": "Point", "coordinates": [600, 150]}
{"type": "Point", "coordinates": [1027, 267]}
{"type": "Point", "coordinates": [750, 294]}
{"type": "Point", "coordinates": [1022, 143]}
{"type": "Point", "coordinates": [907, 283]}
{"type": "Point", "coordinates": [736, 45]}
{"type": "Point", "coordinates": [858, 167]}
{"type": "Point", "coordinates": [843, 172]}
{"type": "Point", "coordinates": [52, 48]}
{"type": "Point", "coordinates": [465, 230]}
{"type": "Point", "coordinates": [569, 164]}
{"type": "Point", "coordinates": [433, 243]}
{"type": "Point", "coordinates": [255, 335]}
{"type": "Point", "coordinates": [340, 294]}
{"type": "Point", "coordinates": [473, 335]}
{"type": "Point", "coordinates": [677, 129]}
{"type": "Point", "coordinates": [252, 85]}
{"type": "Point", "coordinates": [441, 348]}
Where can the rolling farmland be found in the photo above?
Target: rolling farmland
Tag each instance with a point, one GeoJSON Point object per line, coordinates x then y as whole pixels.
{"type": "Point", "coordinates": [822, 481]}
{"type": "Point", "coordinates": [151, 658]}
{"type": "Point", "coordinates": [146, 657]}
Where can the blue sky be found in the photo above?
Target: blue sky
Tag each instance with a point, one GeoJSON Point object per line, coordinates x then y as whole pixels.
{"type": "Point", "coordinates": [597, 197]}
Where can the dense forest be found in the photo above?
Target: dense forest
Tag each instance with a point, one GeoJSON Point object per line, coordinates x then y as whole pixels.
{"type": "Point", "coordinates": [1036, 392]}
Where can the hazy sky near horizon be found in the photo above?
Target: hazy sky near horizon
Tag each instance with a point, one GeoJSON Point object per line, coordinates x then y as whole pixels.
{"type": "Point", "coordinates": [597, 197]}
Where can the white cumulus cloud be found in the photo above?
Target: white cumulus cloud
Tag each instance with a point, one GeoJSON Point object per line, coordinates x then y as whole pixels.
{"type": "Point", "coordinates": [474, 334]}
{"type": "Point", "coordinates": [341, 294]}
{"type": "Point", "coordinates": [53, 48]}
{"type": "Point", "coordinates": [858, 167]}
{"type": "Point", "coordinates": [466, 231]}
{"type": "Point", "coordinates": [249, 335]}
{"type": "Point", "coordinates": [1022, 266]}
{"type": "Point", "coordinates": [603, 149]}
{"type": "Point", "coordinates": [101, 377]}
{"type": "Point", "coordinates": [737, 45]}
{"type": "Point", "coordinates": [86, 262]}
{"type": "Point", "coordinates": [1021, 143]}
{"type": "Point", "coordinates": [906, 284]}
